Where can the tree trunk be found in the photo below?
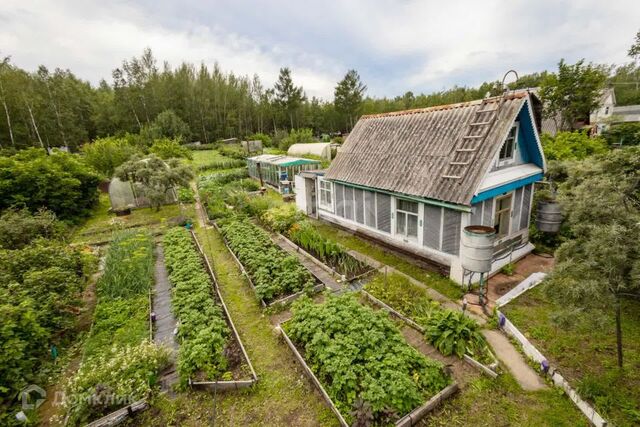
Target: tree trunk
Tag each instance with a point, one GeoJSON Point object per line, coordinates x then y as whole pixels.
{"type": "Point", "coordinates": [35, 127]}
{"type": "Point", "coordinates": [619, 331]}
{"type": "Point", "coordinates": [6, 112]}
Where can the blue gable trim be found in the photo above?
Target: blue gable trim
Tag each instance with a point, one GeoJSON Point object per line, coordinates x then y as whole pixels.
{"type": "Point", "coordinates": [527, 141]}
{"type": "Point", "coordinates": [506, 187]}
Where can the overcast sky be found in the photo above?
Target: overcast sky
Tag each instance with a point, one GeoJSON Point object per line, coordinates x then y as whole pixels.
{"type": "Point", "coordinates": [396, 45]}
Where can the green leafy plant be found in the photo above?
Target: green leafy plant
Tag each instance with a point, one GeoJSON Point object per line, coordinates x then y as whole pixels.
{"type": "Point", "coordinates": [273, 272]}
{"type": "Point", "coordinates": [203, 331]}
{"type": "Point", "coordinates": [451, 332]}
{"type": "Point", "coordinates": [509, 269]}
{"type": "Point", "coordinates": [360, 356]}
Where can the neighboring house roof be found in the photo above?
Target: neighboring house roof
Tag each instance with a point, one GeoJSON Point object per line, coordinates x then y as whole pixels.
{"type": "Point", "coordinates": [626, 113]}
{"type": "Point", "coordinates": [410, 152]}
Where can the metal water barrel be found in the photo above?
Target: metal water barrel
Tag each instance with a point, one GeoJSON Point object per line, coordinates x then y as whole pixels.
{"type": "Point", "coordinates": [549, 217]}
{"type": "Point", "coordinates": [476, 251]}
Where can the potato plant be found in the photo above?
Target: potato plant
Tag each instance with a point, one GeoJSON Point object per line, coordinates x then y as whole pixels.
{"type": "Point", "coordinates": [274, 273]}
{"type": "Point", "coordinates": [203, 331]}
{"type": "Point", "coordinates": [359, 355]}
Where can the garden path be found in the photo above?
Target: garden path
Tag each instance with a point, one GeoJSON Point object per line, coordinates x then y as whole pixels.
{"type": "Point", "coordinates": [505, 351]}
{"type": "Point", "coordinates": [165, 323]}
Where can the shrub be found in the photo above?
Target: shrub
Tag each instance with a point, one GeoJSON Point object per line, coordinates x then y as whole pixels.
{"type": "Point", "coordinates": [624, 134]}
{"type": "Point", "coordinates": [203, 331]}
{"type": "Point", "coordinates": [572, 146]}
{"type": "Point", "coordinates": [266, 139]}
{"type": "Point", "coordinates": [358, 353]}
{"type": "Point", "coordinates": [281, 218]}
{"type": "Point", "coordinates": [296, 136]}
{"type": "Point", "coordinates": [18, 228]}
{"type": "Point", "coordinates": [60, 182]}
{"type": "Point", "coordinates": [106, 154]}
{"type": "Point", "coordinates": [185, 195]}
{"type": "Point", "coordinates": [166, 148]}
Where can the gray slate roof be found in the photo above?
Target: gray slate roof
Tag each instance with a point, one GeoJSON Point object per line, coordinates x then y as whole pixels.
{"type": "Point", "coordinates": [408, 152]}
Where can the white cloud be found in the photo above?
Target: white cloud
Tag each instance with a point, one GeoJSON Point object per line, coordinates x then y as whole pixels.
{"type": "Point", "coordinates": [396, 45]}
{"type": "Point", "coordinates": [93, 41]}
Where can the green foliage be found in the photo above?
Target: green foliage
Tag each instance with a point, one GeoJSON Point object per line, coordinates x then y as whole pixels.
{"type": "Point", "coordinates": [266, 139]}
{"type": "Point", "coordinates": [573, 92]}
{"type": "Point", "coordinates": [221, 178]}
{"type": "Point", "coordinates": [155, 176]}
{"type": "Point", "coordinates": [232, 151]}
{"type": "Point", "coordinates": [113, 379]}
{"type": "Point", "coordinates": [119, 362]}
{"type": "Point", "coordinates": [274, 273]}
{"type": "Point", "coordinates": [451, 332]}
{"type": "Point", "coordinates": [623, 134]}
{"type": "Point", "coordinates": [348, 98]}
{"type": "Point", "coordinates": [106, 154]}
{"type": "Point", "coordinates": [185, 195]}
{"type": "Point", "coordinates": [288, 96]}
{"type": "Point", "coordinates": [128, 266]}
{"type": "Point", "coordinates": [398, 292]}
{"type": "Point", "coordinates": [168, 125]}
{"type": "Point", "coordinates": [281, 218]}
{"type": "Point", "coordinates": [509, 269]}
{"type": "Point", "coordinates": [40, 285]}
{"type": "Point", "coordinates": [296, 136]}
{"type": "Point", "coordinates": [358, 353]}
{"type": "Point", "coordinates": [18, 228]}
{"type": "Point", "coordinates": [226, 163]}
{"type": "Point", "coordinates": [60, 182]}
{"type": "Point", "coordinates": [166, 148]}
{"type": "Point", "coordinates": [601, 263]}
{"type": "Point", "coordinates": [572, 146]}
{"type": "Point", "coordinates": [203, 331]}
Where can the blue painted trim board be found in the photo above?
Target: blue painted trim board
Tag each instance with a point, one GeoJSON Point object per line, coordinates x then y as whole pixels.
{"type": "Point", "coordinates": [506, 188]}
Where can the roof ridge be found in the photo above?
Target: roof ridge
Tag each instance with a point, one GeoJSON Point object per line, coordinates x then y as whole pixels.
{"type": "Point", "coordinates": [513, 95]}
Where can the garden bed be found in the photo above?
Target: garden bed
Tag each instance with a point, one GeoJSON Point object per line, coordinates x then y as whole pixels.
{"type": "Point", "coordinates": [362, 365]}
{"type": "Point", "coordinates": [120, 363]}
{"type": "Point", "coordinates": [291, 224]}
{"type": "Point", "coordinates": [276, 277]}
{"type": "Point", "coordinates": [211, 354]}
{"type": "Point", "coordinates": [450, 332]}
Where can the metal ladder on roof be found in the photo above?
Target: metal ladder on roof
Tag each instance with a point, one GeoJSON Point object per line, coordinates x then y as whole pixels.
{"type": "Point", "coordinates": [477, 130]}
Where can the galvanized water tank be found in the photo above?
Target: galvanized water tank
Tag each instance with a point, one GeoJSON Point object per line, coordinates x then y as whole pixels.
{"type": "Point", "coordinates": [476, 250]}
{"type": "Point", "coordinates": [549, 217]}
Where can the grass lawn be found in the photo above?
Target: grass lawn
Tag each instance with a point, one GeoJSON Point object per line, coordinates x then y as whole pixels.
{"type": "Point", "coordinates": [202, 157]}
{"type": "Point", "coordinates": [585, 354]}
{"type": "Point", "coordinates": [282, 397]}
{"type": "Point", "coordinates": [501, 402]}
{"type": "Point", "coordinates": [432, 279]}
{"type": "Point", "coordinates": [101, 225]}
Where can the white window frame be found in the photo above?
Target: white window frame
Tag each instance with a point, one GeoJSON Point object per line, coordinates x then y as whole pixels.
{"type": "Point", "coordinates": [322, 191]}
{"type": "Point", "coordinates": [511, 159]}
{"type": "Point", "coordinates": [496, 214]}
{"type": "Point", "coordinates": [405, 235]}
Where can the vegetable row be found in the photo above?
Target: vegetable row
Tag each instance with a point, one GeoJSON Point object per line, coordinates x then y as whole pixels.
{"type": "Point", "coordinates": [365, 365]}
{"type": "Point", "coordinates": [202, 330]}
{"type": "Point", "coordinates": [274, 273]}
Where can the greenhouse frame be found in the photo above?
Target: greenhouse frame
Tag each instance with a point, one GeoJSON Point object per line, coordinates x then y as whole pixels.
{"type": "Point", "coordinates": [277, 168]}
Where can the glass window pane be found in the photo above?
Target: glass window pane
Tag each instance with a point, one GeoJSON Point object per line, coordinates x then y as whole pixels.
{"type": "Point", "coordinates": [407, 206]}
{"type": "Point", "coordinates": [412, 226]}
{"type": "Point", "coordinates": [400, 221]}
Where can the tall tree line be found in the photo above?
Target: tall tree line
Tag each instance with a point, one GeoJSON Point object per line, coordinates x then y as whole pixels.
{"type": "Point", "coordinates": [48, 109]}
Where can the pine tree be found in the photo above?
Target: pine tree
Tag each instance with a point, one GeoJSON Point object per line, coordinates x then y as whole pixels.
{"type": "Point", "coordinates": [348, 98]}
{"type": "Point", "coordinates": [289, 98]}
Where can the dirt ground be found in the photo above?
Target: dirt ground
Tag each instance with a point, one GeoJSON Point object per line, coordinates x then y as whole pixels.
{"type": "Point", "coordinates": [501, 283]}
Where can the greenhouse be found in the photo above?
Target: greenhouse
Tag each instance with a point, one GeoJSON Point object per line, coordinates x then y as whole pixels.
{"type": "Point", "coordinates": [126, 195]}
{"type": "Point", "coordinates": [320, 149]}
{"type": "Point", "coordinates": [276, 170]}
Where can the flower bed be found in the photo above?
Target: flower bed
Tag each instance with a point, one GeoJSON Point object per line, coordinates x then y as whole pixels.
{"type": "Point", "coordinates": [203, 331]}
{"type": "Point", "coordinates": [365, 365]}
{"type": "Point", "coordinates": [120, 363]}
{"type": "Point", "coordinates": [274, 273]}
